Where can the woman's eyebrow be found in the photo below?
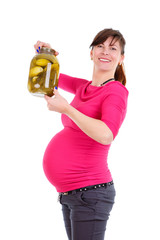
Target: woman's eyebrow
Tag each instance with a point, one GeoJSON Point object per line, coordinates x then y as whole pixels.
{"type": "Point", "coordinates": [113, 45]}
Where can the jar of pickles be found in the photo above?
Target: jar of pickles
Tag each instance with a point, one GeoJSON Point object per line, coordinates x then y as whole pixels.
{"type": "Point", "coordinates": [43, 73]}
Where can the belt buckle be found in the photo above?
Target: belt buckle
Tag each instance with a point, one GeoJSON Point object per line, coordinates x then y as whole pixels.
{"type": "Point", "coordinates": [65, 193]}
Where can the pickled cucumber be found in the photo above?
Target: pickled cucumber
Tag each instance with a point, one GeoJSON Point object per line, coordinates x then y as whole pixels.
{"type": "Point", "coordinates": [55, 66]}
{"type": "Point", "coordinates": [34, 79]}
{"type": "Point", "coordinates": [35, 71]}
{"type": "Point", "coordinates": [42, 62]}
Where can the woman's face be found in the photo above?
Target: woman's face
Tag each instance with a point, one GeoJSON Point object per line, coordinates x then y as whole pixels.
{"type": "Point", "coordinates": [106, 57]}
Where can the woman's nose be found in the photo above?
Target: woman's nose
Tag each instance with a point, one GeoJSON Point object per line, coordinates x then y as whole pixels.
{"type": "Point", "coordinates": [106, 51]}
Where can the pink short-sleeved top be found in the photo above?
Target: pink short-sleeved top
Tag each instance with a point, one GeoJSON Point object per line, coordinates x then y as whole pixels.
{"type": "Point", "coordinates": [72, 159]}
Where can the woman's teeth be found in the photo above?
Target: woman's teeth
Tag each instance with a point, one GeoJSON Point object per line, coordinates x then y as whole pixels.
{"type": "Point", "coordinates": [104, 60]}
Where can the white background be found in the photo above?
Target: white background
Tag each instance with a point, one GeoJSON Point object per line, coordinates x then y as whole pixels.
{"type": "Point", "coordinates": [28, 202]}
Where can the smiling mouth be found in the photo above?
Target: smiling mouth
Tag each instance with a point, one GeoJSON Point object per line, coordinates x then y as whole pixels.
{"type": "Point", "coordinates": [104, 60]}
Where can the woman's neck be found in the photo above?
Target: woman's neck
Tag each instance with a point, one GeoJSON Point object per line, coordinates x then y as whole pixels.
{"type": "Point", "coordinates": [100, 77]}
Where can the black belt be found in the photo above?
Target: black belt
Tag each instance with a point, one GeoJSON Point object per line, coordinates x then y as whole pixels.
{"type": "Point", "coordinates": [88, 188]}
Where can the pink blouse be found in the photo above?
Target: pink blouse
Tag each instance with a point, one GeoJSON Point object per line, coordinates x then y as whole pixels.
{"type": "Point", "coordinates": [72, 159]}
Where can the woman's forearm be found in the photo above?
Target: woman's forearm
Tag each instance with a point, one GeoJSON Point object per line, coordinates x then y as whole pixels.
{"type": "Point", "coordinates": [94, 128]}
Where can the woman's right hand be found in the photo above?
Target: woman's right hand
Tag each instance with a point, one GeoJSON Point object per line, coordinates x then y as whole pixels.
{"type": "Point", "coordinates": [40, 44]}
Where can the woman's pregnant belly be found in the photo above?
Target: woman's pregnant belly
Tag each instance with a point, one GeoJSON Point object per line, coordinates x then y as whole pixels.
{"type": "Point", "coordinates": [72, 160]}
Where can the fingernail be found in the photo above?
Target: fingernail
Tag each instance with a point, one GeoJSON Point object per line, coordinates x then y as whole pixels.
{"type": "Point", "coordinates": [37, 50]}
{"type": "Point", "coordinates": [56, 88]}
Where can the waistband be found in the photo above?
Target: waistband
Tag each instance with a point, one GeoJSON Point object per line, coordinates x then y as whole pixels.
{"type": "Point", "coordinates": [105, 185]}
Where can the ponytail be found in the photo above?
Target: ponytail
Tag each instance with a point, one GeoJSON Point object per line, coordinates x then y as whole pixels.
{"type": "Point", "coordinates": [120, 74]}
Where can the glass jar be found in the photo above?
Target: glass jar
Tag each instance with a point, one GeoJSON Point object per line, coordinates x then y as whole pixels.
{"type": "Point", "coordinates": [43, 73]}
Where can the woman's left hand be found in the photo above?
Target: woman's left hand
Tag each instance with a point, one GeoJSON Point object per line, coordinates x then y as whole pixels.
{"type": "Point", "coordinates": [57, 103]}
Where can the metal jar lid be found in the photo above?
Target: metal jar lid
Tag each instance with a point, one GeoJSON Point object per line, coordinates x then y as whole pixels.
{"type": "Point", "coordinates": [47, 50]}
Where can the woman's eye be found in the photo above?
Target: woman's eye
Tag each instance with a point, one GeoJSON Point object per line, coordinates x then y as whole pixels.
{"type": "Point", "coordinates": [112, 48]}
{"type": "Point", "coordinates": [99, 46]}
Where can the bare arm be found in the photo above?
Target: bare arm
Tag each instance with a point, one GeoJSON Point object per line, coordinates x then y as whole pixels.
{"type": "Point", "coordinates": [94, 128]}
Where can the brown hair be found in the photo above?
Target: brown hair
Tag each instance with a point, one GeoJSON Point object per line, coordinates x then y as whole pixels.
{"type": "Point", "coordinates": [101, 37]}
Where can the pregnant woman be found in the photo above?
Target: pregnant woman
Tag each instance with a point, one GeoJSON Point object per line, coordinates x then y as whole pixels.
{"type": "Point", "coordinates": [75, 160]}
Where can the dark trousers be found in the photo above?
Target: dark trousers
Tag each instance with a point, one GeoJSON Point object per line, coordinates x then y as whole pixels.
{"type": "Point", "coordinates": [86, 213]}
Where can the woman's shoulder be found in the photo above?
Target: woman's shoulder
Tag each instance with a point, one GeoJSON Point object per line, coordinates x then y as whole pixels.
{"type": "Point", "coordinates": [117, 87]}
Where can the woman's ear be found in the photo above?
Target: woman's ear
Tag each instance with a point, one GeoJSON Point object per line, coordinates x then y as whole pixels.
{"type": "Point", "coordinates": [121, 60]}
{"type": "Point", "coordinates": [91, 54]}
